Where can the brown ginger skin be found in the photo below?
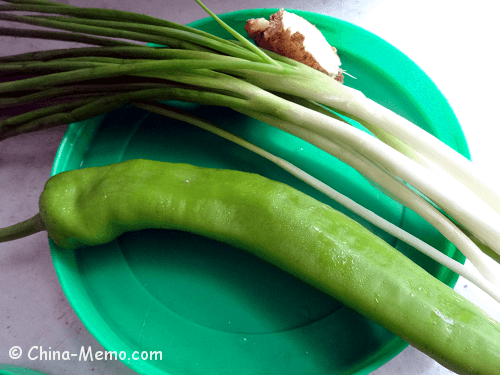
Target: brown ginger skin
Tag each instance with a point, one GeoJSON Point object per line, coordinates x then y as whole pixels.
{"type": "Point", "coordinates": [272, 36]}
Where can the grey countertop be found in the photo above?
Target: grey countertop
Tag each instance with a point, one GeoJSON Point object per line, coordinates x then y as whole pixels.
{"type": "Point", "coordinates": [454, 42]}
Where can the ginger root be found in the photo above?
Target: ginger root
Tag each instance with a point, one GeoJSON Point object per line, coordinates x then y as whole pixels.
{"type": "Point", "coordinates": [293, 36]}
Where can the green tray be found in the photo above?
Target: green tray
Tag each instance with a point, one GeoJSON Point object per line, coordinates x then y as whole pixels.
{"type": "Point", "coordinates": [18, 370]}
{"type": "Point", "coordinates": [208, 308]}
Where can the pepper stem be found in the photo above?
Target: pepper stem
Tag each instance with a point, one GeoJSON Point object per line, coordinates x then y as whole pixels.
{"type": "Point", "coordinates": [22, 229]}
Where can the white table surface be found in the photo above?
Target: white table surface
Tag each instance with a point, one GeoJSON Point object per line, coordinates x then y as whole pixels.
{"type": "Point", "coordinates": [454, 42]}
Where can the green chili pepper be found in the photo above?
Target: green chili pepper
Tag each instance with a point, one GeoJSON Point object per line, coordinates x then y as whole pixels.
{"type": "Point", "coordinates": [285, 227]}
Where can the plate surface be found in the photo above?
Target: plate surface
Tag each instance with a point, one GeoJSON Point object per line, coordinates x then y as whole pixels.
{"type": "Point", "coordinates": [17, 370]}
{"type": "Point", "coordinates": [212, 309]}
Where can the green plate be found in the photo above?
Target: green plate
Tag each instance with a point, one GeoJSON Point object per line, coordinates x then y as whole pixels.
{"type": "Point", "coordinates": [211, 309]}
{"type": "Point", "coordinates": [18, 370]}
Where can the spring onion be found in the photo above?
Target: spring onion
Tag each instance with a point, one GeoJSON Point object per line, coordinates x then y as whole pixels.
{"type": "Point", "coordinates": [411, 165]}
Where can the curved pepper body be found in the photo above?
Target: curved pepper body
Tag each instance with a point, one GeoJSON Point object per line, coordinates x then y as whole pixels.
{"type": "Point", "coordinates": [285, 227]}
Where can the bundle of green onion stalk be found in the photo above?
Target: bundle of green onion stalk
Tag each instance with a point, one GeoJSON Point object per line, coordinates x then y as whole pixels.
{"type": "Point", "coordinates": [415, 168]}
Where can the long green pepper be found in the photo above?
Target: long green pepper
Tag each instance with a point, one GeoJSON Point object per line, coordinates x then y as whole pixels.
{"type": "Point", "coordinates": [280, 225]}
